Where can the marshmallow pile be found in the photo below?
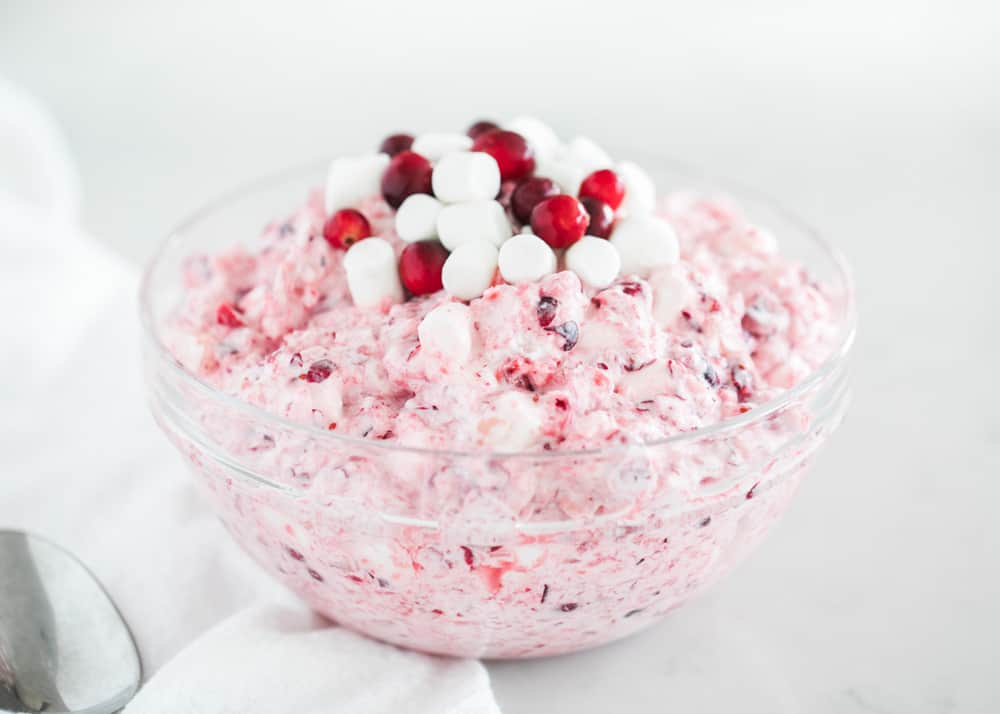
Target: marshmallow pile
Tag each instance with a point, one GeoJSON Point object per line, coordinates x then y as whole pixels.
{"type": "Point", "coordinates": [513, 199]}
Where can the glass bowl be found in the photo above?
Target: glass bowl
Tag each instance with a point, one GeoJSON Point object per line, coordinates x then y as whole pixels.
{"type": "Point", "coordinates": [426, 548]}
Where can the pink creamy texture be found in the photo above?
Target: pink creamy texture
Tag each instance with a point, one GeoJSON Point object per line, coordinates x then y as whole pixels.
{"type": "Point", "coordinates": [493, 555]}
{"type": "Point", "coordinates": [589, 367]}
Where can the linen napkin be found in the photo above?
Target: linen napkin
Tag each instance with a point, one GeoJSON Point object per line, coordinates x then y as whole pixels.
{"type": "Point", "coordinates": [84, 464]}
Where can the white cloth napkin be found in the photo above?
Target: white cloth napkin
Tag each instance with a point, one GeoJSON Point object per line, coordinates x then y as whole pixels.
{"type": "Point", "coordinates": [84, 464]}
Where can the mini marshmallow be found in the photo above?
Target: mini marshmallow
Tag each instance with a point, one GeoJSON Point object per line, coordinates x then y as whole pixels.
{"type": "Point", "coordinates": [643, 243]}
{"type": "Point", "coordinates": [372, 274]}
{"type": "Point", "coordinates": [466, 176]}
{"type": "Point", "coordinates": [447, 331]}
{"type": "Point", "coordinates": [671, 293]}
{"type": "Point", "coordinates": [459, 223]}
{"type": "Point", "coordinates": [567, 170]}
{"type": "Point", "coordinates": [640, 191]}
{"type": "Point", "coordinates": [351, 180]}
{"type": "Point", "coordinates": [513, 425]}
{"type": "Point", "coordinates": [591, 156]}
{"type": "Point", "coordinates": [539, 135]}
{"type": "Point", "coordinates": [416, 218]}
{"type": "Point", "coordinates": [595, 261]}
{"type": "Point", "coordinates": [433, 146]}
{"type": "Point", "coordinates": [469, 270]}
{"type": "Point", "coordinates": [526, 258]}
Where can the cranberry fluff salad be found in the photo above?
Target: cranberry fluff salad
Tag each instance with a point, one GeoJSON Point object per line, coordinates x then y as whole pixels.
{"type": "Point", "coordinates": [456, 399]}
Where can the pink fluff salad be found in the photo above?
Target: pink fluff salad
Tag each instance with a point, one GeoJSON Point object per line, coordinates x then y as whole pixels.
{"type": "Point", "coordinates": [480, 553]}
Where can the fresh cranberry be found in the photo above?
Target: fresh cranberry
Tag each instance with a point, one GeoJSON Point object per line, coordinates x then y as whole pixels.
{"type": "Point", "coordinates": [228, 316]}
{"type": "Point", "coordinates": [602, 218]}
{"type": "Point", "coordinates": [420, 267]}
{"type": "Point", "coordinates": [345, 228]}
{"type": "Point", "coordinates": [319, 371]}
{"type": "Point", "coordinates": [528, 194]}
{"type": "Point", "coordinates": [396, 144]}
{"type": "Point", "coordinates": [546, 310]}
{"type": "Point", "coordinates": [513, 155]}
{"type": "Point", "coordinates": [408, 173]}
{"type": "Point", "coordinates": [480, 127]}
{"type": "Point", "coordinates": [604, 185]}
{"type": "Point", "coordinates": [560, 221]}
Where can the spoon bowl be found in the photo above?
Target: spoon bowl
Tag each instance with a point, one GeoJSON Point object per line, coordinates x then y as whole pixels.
{"type": "Point", "coordinates": [64, 646]}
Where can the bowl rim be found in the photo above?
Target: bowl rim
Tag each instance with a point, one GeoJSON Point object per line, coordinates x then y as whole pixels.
{"type": "Point", "coordinates": [837, 356]}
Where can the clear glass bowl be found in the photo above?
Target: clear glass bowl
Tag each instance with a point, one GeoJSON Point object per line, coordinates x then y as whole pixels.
{"type": "Point", "coordinates": [424, 548]}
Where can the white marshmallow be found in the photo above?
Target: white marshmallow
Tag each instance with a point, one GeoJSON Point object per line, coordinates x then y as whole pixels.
{"type": "Point", "coordinates": [416, 218]}
{"type": "Point", "coordinates": [350, 180]}
{"type": "Point", "coordinates": [591, 156]}
{"type": "Point", "coordinates": [469, 270]}
{"type": "Point", "coordinates": [594, 260]}
{"type": "Point", "coordinates": [671, 293]}
{"type": "Point", "coordinates": [643, 243]}
{"type": "Point", "coordinates": [372, 274]}
{"type": "Point", "coordinates": [466, 176]}
{"type": "Point", "coordinates": [433, 146]}
{"type": "Point", "coordinates": [640, 191]}
{"type": "Point", "coordinates": [526, 258]}
{"type": "Point", "coordinates": [447, 330]}
{"type": "Point", "coordinates": [567, 170]}
{"type": "Point", "coordinates": [459, 223]}
{"type": "Point", "coordinates": [513, 425]}
{"type": "Point", "coordinates": [539, 135]}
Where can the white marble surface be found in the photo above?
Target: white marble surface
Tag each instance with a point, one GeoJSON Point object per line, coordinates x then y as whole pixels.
{"type": "Point", "coordinates": [880, 591]}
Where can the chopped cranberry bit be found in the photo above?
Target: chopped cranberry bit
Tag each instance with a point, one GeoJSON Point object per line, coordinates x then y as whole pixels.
{"type": "Point", "coordinates": [420, 266]}
{"type": "Point", "coordinates": [759, 319]}
{"type": "Point", "coordinates": [711, 376]}
{"type": "Point", "coordinates": [228, 315]}
{"type": "Point", "coordinates": [296, 360]}
{"type": "Point", "coordinates": [332, 426]}
{"type": "Point", "coordinates": [560, 221]}
{"type": "Point", "coordinates": [631, 288]}
{"type": "Point", "coordinates": [546, 310]}
{"type": "Point", "coordinates": [705, 521]}
{"type": "Point", "coordinates": [632, 613]}
{"type": "Point", "coordinates": [561, 403]}
{"type": "Point", "coordinates": [633, 366]}
{"type": "Point", "coordinates": [602, 218]}
{"type": "Point", "coordinates": [568, 607]}
{"type": "Point", "coordinates": [468, 555]}
{"type": "Point", "coordinates": [604, 185]}
{"type": "Point", "coordinates": [408, 173]}
{"type": "Point", "coordinates": [569, 331]}
{"type": "Point", "coordinates": [753, 488]}
{"type": "Point", "coordinates": [545, 592]}
{"type": "Point", "coordinates": [319, 371]}
{"type": "Point", "coordinates": [437, 611]}
{"type": "Point", "coordinates": [743, 382]}
{"type": "Point", "coordinates": [528, 194]}
{"type": "Point", "coordinates": [513, 154]}
{"type": "Point", "coordinates": [315, 576]}
{"type": "Point", "coordinates": [480, 127]}
{"type": "Point", "coordinates": [524, 382]}
{"type": "Point", "coordinates": [396, 144]}
{"type": "Point", "coordinates": [345, 228]}
{"type": "Point", "coordinates": [602, 365]}
{"type": "Point", "coordinates": [296, 554]}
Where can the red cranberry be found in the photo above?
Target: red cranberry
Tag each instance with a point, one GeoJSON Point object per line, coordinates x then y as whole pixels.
{"type": "Point", "coordinates": [396, 144]}
{"type": "Point", "coordinates": [228, 316]}
{"type": "Point", "coordinates": [560, 221]}
{"type": "Point", "coordinates": [604, 185]}
{"type": "Point", "coordinates": [512, 153]}
{"type": "Point", "coordinates": [480, 127]}
{"type": "Point", "coordinates": [528, 194]}
{"type": "Point", "coordinates": [345, 228]}
{"type": "Point", "coordinates": [408, 173]}
{"type": "Point", "coordinates": [546, 310]}
{"type": "Point", "coordinates": [319, 371]}
{"type": "Point", "coordinates": [602, 218]}
{"type": "Point", "coordinates": [420, 267]}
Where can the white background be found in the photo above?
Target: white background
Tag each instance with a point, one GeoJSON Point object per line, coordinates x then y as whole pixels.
{"type": "Point", "coordinates": [880, 591]}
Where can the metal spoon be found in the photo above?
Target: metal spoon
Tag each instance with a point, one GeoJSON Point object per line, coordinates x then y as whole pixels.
{"type": "Point", "coordinates": [63, 645]}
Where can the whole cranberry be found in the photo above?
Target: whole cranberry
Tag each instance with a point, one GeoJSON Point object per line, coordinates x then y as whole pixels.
{"type": "Point", "coordinates": [480, 127]}
{"type": "Point", "coordinates": [408, 173]}
{"type": "Point", "coordinates": [560, 221]}
{"type": "Point", "coordinates": [528, 194]}
{"type": "Point", "coordinates": [396, 144]}
{"type": "Point", "coordinates": [420, 267]}
{"type": "Point", "coordinates": [345, 228]}
{"type": "Point", "coordinates": [602, 218]}
{"type": "Point", "coordinates": [513, 155]}
{"type": "Point", "coordinates": [604, 185]}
